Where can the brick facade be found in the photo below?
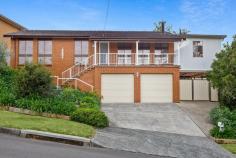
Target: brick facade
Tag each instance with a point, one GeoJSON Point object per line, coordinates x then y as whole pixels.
{"type": "Point", "coordinates": [93, 76]}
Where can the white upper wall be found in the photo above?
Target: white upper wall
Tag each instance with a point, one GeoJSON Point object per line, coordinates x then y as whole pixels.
{"type": "Point", "coordinates": [190, 63]}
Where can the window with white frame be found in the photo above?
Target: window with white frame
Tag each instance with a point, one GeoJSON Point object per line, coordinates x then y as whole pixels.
{"type": "Point", "coordinates": [45, 52]}
{"type": "Point", "coordinates": [197, 49]}
{"type": "Point", "coordinates": [161, 53]}
{"type": "Point", "coordinates": [143, 53]}
{"type": "Point", "coordinates": [25, 51]}
{"type": "Point", "coordinates": [81, 52]}
{"type": "Point", "coordinates": [124, 53]}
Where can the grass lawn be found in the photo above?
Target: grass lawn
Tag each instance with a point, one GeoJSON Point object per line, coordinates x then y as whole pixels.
{"type": "Point", "coordinates": [21, 121]}
{"type": "Point", "coordinates": [230, 147]}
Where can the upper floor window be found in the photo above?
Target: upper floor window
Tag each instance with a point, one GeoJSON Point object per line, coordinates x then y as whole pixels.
{"type": "Point", "coordinates": [161, 56]}
{"type": "Point", "coordinates": [197, 49]}
{"type": "Point", "coordinates": [45, 52]}
{"type": "Point", "coordinates": [25, 51]}
{"type": "Point", "coordinates": [124, 53]}
{"type": "Point", "coordinates": [143, 51]}
{"type": "Point", "coordinates": [81, 52]}
{"type": "Point", "coordinates": [161, 48]}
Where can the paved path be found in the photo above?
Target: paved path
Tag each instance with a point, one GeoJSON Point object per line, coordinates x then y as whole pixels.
{"type": "Point", "coordinates": [15, 147]}
{"type": "Point", "coordinates": [198, 111]}
{"type": "Point", "coordinates": [152, 117]}
{"type": "Point", "coordinates": [159, 143]}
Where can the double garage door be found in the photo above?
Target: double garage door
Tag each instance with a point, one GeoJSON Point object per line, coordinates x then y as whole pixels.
{"type": "Point", "coordinates": [119, 88]}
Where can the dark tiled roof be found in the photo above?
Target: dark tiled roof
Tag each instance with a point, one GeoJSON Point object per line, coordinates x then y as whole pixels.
{"type": "Point", "coordinates": [94, 34]}
{"type": "Point", "coordinates": [205, 36]}
{"type": "Point", "coordinates": [11, 22]}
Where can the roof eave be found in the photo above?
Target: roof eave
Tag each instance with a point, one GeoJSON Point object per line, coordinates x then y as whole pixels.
{"type": "Point", "coordinates": [13, 23]}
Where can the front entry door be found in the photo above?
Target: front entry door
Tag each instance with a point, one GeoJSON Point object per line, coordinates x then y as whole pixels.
{"type": "Point", "coordinates": [104, 48]}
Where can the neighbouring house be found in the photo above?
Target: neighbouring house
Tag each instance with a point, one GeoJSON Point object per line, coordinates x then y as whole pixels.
{"type": "Point", "coordinates": [8, 26]}
{"type": "Point", "coordinates": [197, 53]}
{"type": "Point", "coordinates": [121, 66]}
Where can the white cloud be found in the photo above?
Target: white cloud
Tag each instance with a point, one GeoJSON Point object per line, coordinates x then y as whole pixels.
{"type": "Point", "coordinates": [200, 11]}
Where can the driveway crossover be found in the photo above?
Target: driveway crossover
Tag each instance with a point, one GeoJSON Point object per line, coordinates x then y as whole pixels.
{"type": "Point", "coordinates": [152, 117]}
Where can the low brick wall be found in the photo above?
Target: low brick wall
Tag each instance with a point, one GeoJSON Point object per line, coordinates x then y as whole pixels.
{"type": "Point", "coordinates": [33, 113]}
{"type": "Point", "coordinates": [225, 141]}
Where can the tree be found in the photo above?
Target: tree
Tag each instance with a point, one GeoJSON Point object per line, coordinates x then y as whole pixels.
{"type": "Point", "coordinates": [33, 79]}
{"type": "Point", "coordinates": [3, 53]}
{"type": "Point", "coordinates": [223, 75]}
{"type": "Point", "coordinates": [168, 28]}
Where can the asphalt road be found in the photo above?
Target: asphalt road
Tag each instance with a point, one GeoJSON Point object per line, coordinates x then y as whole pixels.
{"type": "Point", "coordinates": [16, 147]}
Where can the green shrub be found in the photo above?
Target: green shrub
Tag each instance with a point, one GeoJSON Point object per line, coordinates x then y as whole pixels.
{"type": "Point", "coordinates": [60, 106]}
{"type": "Point", "coordinates": [71, 95]}
{"type": "Point", "coordinates": [223, 114]}
{"type": "Point", "coordinates": [91, 117]}
{"type": "Point", "coordinates": [33, 79]}
{"type": "Point", "coordinates": [7, 99]}
{"type": "Point", "coordinates": [50, 105]}
{"type": "Point", "coordinates": [223, 76]}
{"type": "Point", "coordinates": [228, 132]}
{"type": "Point", "coordinates": [89, 102]}
{"type": "Point", "coordinates": [220, 113]}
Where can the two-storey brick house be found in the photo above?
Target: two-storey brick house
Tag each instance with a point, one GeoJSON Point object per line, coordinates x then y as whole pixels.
{"type": "Point", "coordinates": [121, 66]}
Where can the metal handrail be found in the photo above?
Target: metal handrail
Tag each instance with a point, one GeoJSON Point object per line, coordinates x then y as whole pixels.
{"type": "Point", "coordinates": [77, 79]}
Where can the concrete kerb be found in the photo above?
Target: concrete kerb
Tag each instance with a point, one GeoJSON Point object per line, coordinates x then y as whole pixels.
{"type": "Point", "coordinates": [61, 138]}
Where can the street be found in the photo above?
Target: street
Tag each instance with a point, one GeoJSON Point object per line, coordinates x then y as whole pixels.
{"type": "Point", "coordinates": [16, 147]}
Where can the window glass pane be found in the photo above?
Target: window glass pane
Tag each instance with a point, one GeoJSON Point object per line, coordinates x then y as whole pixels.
{"type": "Point", "coordinates": [157, 51]}
{"type": "Point", "coordinates": [77, 60]}
{"type": "Point", "coordinates": [84, 47]}
{"type": "Point", "coordinates": [41, 60]}
{"type": "Point", "coordinates": [121, 51]}
{"type": "Point", "coordinates": [21, 47]}
{"type": "Point", "coordinates": [29, 47]}
{"type": "Point", "coordinates": [48, 47]}
{"type": "Point", "coordinates": [81, 52]}
{"type": "Point", "coordinates": [21, 60]}
{"type": "Point", "coordinates": [48, 60]}
{"type": "Point", "coordinates": [41, 47]}
{"type": "Point", "coordinates": [77, 47]}
{"type": "Point", "coordinates": [197, 49]}
{"type": "Point", "coordinates": [127, 51]}
{"type": "Point", "coordinates": [29, 59]}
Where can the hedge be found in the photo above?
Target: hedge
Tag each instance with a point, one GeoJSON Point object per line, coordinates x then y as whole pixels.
{"type": "Point", "coordinates": [91, 117]}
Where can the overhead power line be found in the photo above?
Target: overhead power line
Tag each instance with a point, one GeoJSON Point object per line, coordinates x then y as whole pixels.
{"type": "Point", "coordinates": [107, 13]}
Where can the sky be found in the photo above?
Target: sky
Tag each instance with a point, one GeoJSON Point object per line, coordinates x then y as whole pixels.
{"type": "Point", "coordinates": [197, 16]}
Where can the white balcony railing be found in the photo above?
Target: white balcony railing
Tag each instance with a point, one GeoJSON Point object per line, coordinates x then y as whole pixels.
{"type": "Point", "coordinates": [130, 59]}
{"type": "Point", "coordinates": [118, 59]}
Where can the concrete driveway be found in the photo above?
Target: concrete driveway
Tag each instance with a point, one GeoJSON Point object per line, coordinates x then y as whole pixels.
{"type": "Point", "coordinates": [158, 129]}
{"type": "Point", "coordinates": [164, 117]}
{"type": "Point", "coordinates": [198, 111]}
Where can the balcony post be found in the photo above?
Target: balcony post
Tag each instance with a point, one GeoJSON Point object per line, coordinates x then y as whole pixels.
{"type": "Point", "coordinates": [95, 52]}
{"type": "Point", "coordinates": [136, 63]}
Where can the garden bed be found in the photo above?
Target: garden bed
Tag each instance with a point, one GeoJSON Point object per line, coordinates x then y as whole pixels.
{"type": "Point", "coordinates": [30, 90]}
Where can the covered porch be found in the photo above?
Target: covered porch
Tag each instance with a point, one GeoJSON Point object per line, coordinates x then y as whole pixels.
{"type": "Point", "coordinates": [140, 52]}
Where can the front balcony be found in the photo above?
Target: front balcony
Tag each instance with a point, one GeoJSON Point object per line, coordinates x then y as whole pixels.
{"type": "Point", "coordinates": [128, 59]}
{"type": "Point", "coordinates": [105, 53]}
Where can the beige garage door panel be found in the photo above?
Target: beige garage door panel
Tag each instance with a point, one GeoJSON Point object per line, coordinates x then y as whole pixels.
{"type": "Point", "coordinates": [117, 88]}
{"type": "Point", "coordinates": [201, 89]}
{"type": "Point", "coordinates": [156, 88]}
{"type": "Point", "coordinates": [186, 90]}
